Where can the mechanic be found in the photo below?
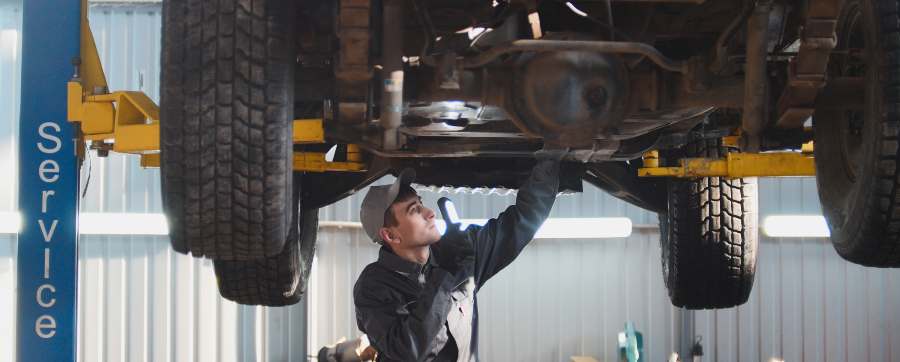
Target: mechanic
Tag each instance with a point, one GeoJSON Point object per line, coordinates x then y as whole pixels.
{"type": "Point", "coordinates": [417, 301]}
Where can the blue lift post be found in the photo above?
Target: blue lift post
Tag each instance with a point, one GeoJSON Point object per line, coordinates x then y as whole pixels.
{"type": "Point", "coordinates": [48, 184]}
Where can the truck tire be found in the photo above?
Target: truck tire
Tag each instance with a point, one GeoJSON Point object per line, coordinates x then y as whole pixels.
{"type": "Point", "coordinates": [856, 152]}
{"type": "Point", "coordinates": [709, 236]}
{"type": "Point", "coordinates": [226, 139]}
{"type": "Point", "coordinates": [277, 280]}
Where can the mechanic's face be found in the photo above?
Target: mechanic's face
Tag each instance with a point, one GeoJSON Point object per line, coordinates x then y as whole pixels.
{"type": "Point", "coordinates": [415, 224]}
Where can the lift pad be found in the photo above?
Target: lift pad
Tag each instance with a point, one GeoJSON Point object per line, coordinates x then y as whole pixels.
{"type": "Point", "coordinates": [734, 165]}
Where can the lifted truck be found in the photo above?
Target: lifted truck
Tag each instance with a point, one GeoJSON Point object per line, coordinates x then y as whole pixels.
{"type": "Point", "coordinates": [464, 91]}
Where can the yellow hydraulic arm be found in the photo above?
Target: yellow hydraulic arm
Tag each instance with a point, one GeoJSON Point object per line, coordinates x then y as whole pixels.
{"type": "Point", "coordinates": [735, 165]}
{"type": "Point", "coordinates": [128, 122]}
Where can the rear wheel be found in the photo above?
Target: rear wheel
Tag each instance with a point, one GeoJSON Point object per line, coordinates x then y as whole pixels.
{"type": "Point", "coordinates": [857, 151]}
{"type": "Point", "coordinates": [226, 147]}
{"type": "Point", "coordinates": [709, 236]}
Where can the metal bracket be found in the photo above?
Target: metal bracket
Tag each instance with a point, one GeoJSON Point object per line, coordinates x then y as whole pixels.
{"type": "Point", "coordinates": [131, 119]}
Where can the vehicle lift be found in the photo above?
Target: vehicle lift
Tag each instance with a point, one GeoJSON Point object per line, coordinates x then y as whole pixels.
{"type": "Point", "coordinates": [128, 122]}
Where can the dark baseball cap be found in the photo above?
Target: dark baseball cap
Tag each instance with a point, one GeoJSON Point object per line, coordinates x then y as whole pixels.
{"type": "Point", "coordinates": [378, 200]}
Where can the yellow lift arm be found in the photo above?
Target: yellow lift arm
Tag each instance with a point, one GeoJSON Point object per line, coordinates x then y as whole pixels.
{"type": "Point", "coordinates": [128, 122]}
{"type": "Point", "coordinates": [735, 165]}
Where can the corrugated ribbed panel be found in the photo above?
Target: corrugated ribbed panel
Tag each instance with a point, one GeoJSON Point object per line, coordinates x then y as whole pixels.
{"type": "Point", "coordinates": [141, 301]}
{"type": "Point", "coordinates": [7, 297]}
{"type": "Point", "coordinates": [568, 297]}
{"type": "Point", "coordinates": [10, 71]}
{"type": "Point", "coordinates": [808, 304]}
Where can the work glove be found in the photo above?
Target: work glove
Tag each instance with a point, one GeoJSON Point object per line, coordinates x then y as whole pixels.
{"type": "Point", "coordinates": [454, 249]}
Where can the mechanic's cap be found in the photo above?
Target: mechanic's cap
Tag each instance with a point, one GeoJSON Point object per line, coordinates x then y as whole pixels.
{"type": "Point", "coordinates": [378, 200]}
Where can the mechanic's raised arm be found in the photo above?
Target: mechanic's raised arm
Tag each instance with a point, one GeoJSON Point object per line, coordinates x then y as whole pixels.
{"type": "Point", "coordinates": [400, 330]}
{"type": "Point", "coordinates": [501, 239]}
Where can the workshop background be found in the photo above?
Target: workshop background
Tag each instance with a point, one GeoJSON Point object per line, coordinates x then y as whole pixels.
{"type": "Point", "coordinates": [140, 301]}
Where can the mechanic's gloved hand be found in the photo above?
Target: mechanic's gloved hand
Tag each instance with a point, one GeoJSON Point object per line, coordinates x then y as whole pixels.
{"type": "Point", "coordinates": [454, 250]}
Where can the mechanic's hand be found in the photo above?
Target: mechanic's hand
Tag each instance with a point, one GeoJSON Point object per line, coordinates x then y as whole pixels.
{"type": "Point", "coordinates": [454, 249]}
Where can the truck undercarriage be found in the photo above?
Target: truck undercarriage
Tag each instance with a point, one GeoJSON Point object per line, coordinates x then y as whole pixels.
{"type": "Point", "coordinates": [672, 105]}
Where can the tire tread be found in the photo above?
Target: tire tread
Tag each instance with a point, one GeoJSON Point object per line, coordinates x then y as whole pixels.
{"type": "Point", "coordinates": [226, 147]}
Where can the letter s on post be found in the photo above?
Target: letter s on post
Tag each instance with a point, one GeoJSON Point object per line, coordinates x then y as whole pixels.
{"type": "Point", "coordinates": [42, 131]}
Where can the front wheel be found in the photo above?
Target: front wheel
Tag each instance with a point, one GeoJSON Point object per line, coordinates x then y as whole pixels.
{"type": "Point", "coordinates": [225, 143]}
{"type": "Point", "coordinates": [857, 151]}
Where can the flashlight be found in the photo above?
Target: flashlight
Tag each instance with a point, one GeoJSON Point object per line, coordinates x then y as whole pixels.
{"type": "Point", "coordinates": [448, 211]}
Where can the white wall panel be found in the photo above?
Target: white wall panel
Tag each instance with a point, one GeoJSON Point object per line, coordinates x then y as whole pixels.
{"type": "Point", "coordinates": [7, 297]}
{"type": "Point", "coordinates": [10, 71]}
{"type": "Point", "coordinates": [571, 297]}
{"type": "Point", "coordinates": [808, 304]}
{"type": "Point", "coordinates": [559, 298]}
{"type": "Point", "coordinates": [140, 301]}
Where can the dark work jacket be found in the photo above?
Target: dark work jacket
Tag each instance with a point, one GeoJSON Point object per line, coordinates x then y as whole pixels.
{"type": "Point", "coordinates": [402, 306]}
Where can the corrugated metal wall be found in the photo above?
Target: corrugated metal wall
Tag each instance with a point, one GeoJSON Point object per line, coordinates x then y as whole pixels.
{"type": "Point", "coordinates": [568, 297]}
{"type": "Point", "coordinates": [139, 301]}
{"type": "Point", "coordinates": [558, 299]}
{"type": "Point", "coordinates": [808, 304]}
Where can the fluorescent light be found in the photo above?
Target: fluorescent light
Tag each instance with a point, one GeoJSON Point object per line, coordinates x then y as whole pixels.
{"type": "Point", "coordinates": [585, 228]}
{"type": "Point", "coordinates": [570, 228]}
{"type": "Point", "coordinates": [9, 222]}
{"type": "Point", "coordinates": [92, 223]}
{"type": "Point", "coordinates": [796, 226]}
